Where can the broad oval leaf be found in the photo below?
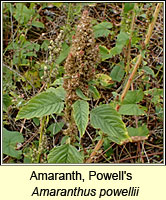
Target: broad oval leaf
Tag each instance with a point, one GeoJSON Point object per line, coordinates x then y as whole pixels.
{"type": "Point", "coordinates": [132, 109]}
{"type": "Point", "coordinates": [117, 73]}
{"type": "Point", "coordinates": [10, 140]}
{"type": "Point", "coordinates": [65, 154]}
{"type": "Point", "coordinates": [81, 112]}
{"type": "Point", "coordinates": [107, 119]}
{"type": "Point", "coordinates": [102, 29]}
{"type": "Point", "coordinates": [41, 105]}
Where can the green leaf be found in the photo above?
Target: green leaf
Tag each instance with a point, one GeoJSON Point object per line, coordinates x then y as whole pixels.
{"type": "Point", "coordinates": [157, 95]}
{"type": "Point", "coordinates": [31, 54]}
{"type": "Point", "coordinates": [140, 131]}
{"type": "Point", "coordinates": [7, 101]}
{"type": "Point", "coordinates": [148, 70]}
{"type": "Point", "coordinates": [128, 7]}
{"type": "Point", "coordinates": [154, 92]}
{"type": "Point", "coordinates": [94, 91]}
{"type": "Point", "coordinates": [107, 119]}
{"type": "Point", "coordinates": [55, 128]}
{"type": "Point", "coordinates": [10, 140]}
{"type": "Point", "coordinates": [81, 95]}
{"type": "Point", "coordinates": [45, 45]}
{"type": "Point", "coordinates": [63, 54]}
{"type": "Point", "coordinates": [117, 73]}
{"type": "Point", "coordinates": [37, 24]}
{"type": "Point", "coordinates": [132, 109]}
{"type": "Point", "coordinates": [106, 145]}
{"type": "Point", "coordinates": [102, 29]}
{"type": "Point", "coordinates": [129, 106]}
{"type": "Point", "coordinates": [41, 105]}
{"type": "Point", "coordinates": [28, 45]}
{"type": "Point", "coordinates": [58, 81]}
{"type": "Point", "coordinates": [36, 121]}
{"type": "Point", "coordinates": [65, 154]}
{"type": "Point", "coordinates": [138, 134]}
{"type": "Point", "coordinates": [133, 97]}
{"type": "Point", "coordinates": [104, 52]}
{"type": "Point", "coordinates": [159, 111]}
{"type": "Point", "coordinates": [116, 50]}
{"type": "Point", "coordinates": [36, 47]}
{"type": "Point", "coordinates": [104, 79]}
{"type": "Point", "coordinates": [22, 14]}
{"type": "Point", "coordinates": [81, 112]}
{"type": "Point", "coordinates": [65, 140]}
{"type": "Point", "coordinates": [122, 39]}
{"type": "Point", "coordinates": [59, 91]}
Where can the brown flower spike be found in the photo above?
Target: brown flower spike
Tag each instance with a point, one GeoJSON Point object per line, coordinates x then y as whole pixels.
{"type": "Point", "coordinates": [79, 68]}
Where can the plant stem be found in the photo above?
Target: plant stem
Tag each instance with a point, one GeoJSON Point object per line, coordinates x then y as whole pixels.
{"type": "Point", "coordinates": [139, 59]}
{"type": "Point", "coordinates": [151, 26]}
{"type": "Point", "coordinates": [97, 147]}
{"type": "Point", "coordinates": [131, 34]}
{"type": "Point", "coordinates": [42, 123]}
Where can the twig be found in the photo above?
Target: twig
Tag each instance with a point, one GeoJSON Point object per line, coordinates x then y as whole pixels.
{"type": "Point", "coordinates": [89, 135]}
{"type": "Point", "coordinates": [27, 141]}
{"type": "Point", "coordinates": [152, 145]}
{"type": "Point", "coordinates": [97, 147]}
{"type": "Point", "coordinates": [145, 152]}
{"type": "Point", "coordinates": [106, 150]}
{"type": "Point", "coordinates": [44, 84]}
{"type": "Point", "coordinates": [22, 126]}
{"type": "Point", "coordinates": [132, 157]}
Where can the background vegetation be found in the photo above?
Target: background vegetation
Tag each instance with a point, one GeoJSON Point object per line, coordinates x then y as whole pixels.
{"type": "Point", "coordinates": [37, 38]}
